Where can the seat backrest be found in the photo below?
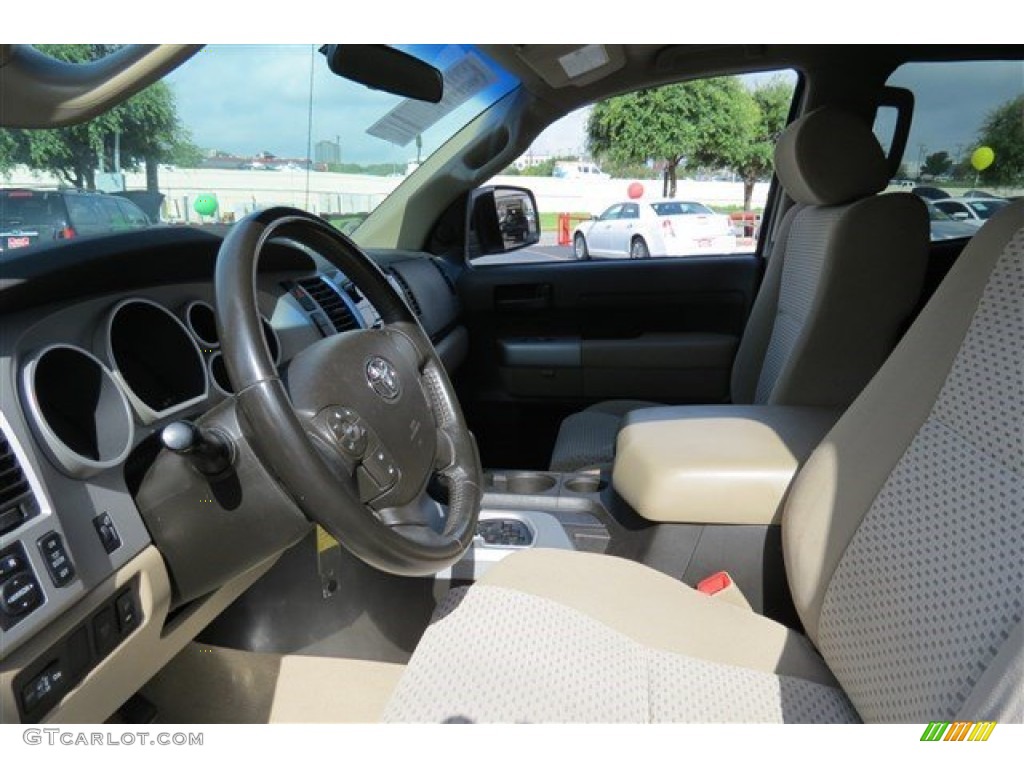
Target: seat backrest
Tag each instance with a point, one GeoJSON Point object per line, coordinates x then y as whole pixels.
{"type": "Point", "coordinates": [904, 532]}
{"type": "Point", "coordinates": [845, 272]}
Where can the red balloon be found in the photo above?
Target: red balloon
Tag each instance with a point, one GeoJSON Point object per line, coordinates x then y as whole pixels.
{"type": "Point", "coordinates": [635, 190]}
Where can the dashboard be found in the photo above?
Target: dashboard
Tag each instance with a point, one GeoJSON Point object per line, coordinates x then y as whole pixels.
{"type": "Point", "coordinates": [108, 568]}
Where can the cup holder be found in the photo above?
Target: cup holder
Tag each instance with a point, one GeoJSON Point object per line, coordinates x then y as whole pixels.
{"type": "Point", "coordinates": [524, 483]}
{"type": "Point", "coordinates": [529, 482]}
{"type": "Point", "coordinates": [586, 484]}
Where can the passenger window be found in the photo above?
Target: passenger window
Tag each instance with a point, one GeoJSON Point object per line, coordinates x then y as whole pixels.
{"type": "Point", "coordinates": [83, 211]}
{"type": "Point", "coordinates": [133, 215]}
{"type": "Point", "coordinates": [112, 213]}
{"type": "Point", "coordinates": [965, 141]}
{"type": "Point", "coordinates": [703, 172]}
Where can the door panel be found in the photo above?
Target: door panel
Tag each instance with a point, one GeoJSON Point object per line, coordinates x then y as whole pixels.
{"type": "Point", "coordinates": [627, 222]}
{"type": "Point", "coordinates": [547, 339]}
{"type": "Point", "coordinates": [600, 236]}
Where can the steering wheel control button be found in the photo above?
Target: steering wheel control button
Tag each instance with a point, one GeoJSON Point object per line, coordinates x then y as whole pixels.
{"type": "Point", "coordinates": [383, 378]}
{"type": "Point", "coordinates": [348, 431]}
{"type": "Point", "coordinates": [109, 537]}
{"type": "Point", "coordinates": [58, 563]}
{"type": "Point", "coordinates": [380, 467]}
{"type": "Point", "coordinates": [20, 595]}
{"type": "Point", "coordinates": [368, 488]}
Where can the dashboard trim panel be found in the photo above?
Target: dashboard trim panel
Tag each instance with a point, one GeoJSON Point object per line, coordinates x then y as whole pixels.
{"type": "Point", "coordinates": [62, 455]}
{"type": "Point", "coordinates": [147, 414]}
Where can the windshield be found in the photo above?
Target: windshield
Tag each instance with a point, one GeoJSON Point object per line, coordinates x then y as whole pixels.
{"type": "Point", "coordinates": [237, 128]}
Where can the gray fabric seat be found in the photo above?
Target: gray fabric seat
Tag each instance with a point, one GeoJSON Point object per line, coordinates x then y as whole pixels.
{"type": "Point", "coordinates": [844, 276]}
{"type": "Point", "coordinates": [903, 551]}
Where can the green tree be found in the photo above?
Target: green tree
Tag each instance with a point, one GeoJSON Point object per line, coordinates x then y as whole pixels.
{"type": "Point", "coordinates": [937, 164]}
{"type": "Point", "coordinates": [755, 162]}
{"type": "Point", "coordinates": [1003, 131]}
{"type": "Point", "coordinates": [146, 127]}
{"type": "Point", "coordinates": [8, 150]}
{"type": "Point", "coordinates": [628, 170]}
{"type": "Point", "coordinates": [704, 123]}
{"type": "Point", "coordinates": [543, 168]}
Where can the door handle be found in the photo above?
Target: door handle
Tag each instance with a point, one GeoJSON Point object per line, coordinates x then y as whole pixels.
{"type": "Point", "coordinates": [521, 298]}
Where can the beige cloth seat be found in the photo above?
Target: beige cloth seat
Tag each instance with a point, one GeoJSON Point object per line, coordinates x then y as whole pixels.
{"type": "Point", "coordinates": [845, 274]}
{"type": "Point", "coordinates": [903, 547]}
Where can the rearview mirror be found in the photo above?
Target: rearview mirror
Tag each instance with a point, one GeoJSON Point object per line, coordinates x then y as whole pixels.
{"type": "Point", "coordinates": [499, 220]}
{"type": "Point", "coordinates": [388, 69]}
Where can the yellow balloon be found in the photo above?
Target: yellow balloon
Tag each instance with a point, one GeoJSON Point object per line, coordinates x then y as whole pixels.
{"type": "Point", "coordinates": [982, 158]}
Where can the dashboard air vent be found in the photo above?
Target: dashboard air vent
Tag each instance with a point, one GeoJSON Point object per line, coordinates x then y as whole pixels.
{"type": "Point", "coordinates": [329, 300]}
{"type": "Point", "coordinates": [15, 495]}
{"type": "Point", "coordinates": [410, 297]}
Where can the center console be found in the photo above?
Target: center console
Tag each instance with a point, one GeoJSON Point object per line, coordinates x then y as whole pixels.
{"type": "Point", "coordinates": [694, 490]}
{"type": "Point", "coordinates": [524, 509]}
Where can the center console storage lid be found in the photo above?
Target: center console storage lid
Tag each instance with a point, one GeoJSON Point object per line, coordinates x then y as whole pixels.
{"type": "Point", "coordinates": [725, 464]}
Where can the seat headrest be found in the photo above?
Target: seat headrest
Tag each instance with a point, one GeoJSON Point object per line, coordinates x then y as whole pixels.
{"type": "Point", "coordinates": [830, 157]}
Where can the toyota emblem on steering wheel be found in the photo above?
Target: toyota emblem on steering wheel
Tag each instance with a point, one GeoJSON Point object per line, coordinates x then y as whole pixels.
{"type": "Point", "coordinates": [383, 378]}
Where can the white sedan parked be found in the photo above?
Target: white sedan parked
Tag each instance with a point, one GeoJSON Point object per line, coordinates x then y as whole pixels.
{"type": "Point", "coordinates": [639, 229]}
{"type": "Point", "coordinates": [971, 210]}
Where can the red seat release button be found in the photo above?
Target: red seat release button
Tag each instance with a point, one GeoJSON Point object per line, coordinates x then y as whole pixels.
{"type": "Point", "coordinates": [714, 583]}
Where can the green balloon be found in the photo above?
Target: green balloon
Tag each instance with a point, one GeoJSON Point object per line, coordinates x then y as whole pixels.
{"type": "Point", "coordinates": [206, 205]}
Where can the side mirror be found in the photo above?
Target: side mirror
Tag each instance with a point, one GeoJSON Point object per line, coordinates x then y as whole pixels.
{"type": "Point", "coordinates": [500, 220]}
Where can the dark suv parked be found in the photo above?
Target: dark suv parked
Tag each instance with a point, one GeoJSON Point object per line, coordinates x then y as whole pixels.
{"type": "Point", "coordinates": [32, 216]}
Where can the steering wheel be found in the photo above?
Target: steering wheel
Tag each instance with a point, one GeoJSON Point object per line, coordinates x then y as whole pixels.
{"type": "Point", "coordinates": [362, 421]}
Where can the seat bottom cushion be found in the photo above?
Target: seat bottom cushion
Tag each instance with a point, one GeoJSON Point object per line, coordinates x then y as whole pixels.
{"type": "Point", "coordinates": [587, 439]}
{"type": "Point", "coordinates": [502, 655]}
